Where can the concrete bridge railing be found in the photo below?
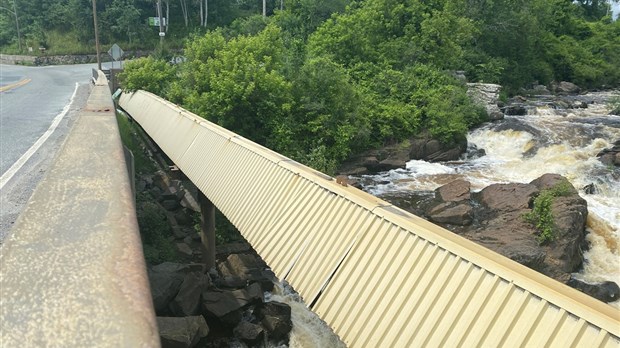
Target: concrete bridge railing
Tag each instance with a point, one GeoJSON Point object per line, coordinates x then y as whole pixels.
{"type": "Point", "coordinates": [72, 273]}
{"type": "Point", "coordinates": [379, 276]}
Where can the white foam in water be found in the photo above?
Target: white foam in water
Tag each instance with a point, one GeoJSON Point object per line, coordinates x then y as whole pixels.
{"type": "Point", "coordinates": [560, 147]}
{"type": "Point", "coordinates": [309, 331]}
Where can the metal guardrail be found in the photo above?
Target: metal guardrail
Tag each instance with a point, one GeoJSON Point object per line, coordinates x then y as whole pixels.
{"type": "Point", "coordinates": [72, 273]}
{"type": "Point", "coordinates": [379, 276]}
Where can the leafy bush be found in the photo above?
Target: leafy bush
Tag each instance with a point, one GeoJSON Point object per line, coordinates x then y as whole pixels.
{"type": "Point", "coordinates": [148, 74]}
{"type": "Point", "coordinates": [155, 229]}
{"type": "Point", "coordinates": [542, 216]}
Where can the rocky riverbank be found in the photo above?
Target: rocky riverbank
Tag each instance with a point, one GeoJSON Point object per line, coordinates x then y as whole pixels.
{"type": "Point", "coordinates": [534, 223]}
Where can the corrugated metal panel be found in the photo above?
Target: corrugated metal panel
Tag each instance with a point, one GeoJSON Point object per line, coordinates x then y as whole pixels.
{"type": "Point", "coordinates": [378, 275]}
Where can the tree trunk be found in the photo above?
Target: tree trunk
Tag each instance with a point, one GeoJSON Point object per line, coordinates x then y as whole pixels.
{"type": "Point", "coordinates": [167, 15]}
{"type": "Point", "coordinates": [206, 12]}
{"type": "Point", "coordinates": [264, 8]}
{"type": "Point", "coordinates": [184, 10]}
{"type": "Point", "coordinates": [202, 19]}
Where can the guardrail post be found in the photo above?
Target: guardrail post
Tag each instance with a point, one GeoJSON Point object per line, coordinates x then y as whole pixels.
{"type": "Point", "coordinates": [207, 230]}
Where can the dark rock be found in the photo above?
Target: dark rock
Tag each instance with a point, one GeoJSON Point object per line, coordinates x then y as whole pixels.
{"type": "Point", "coordinates": [569, 219]}
{"type": "Point", "coordinates": [507, 197]}
{"type": "Point", "coordinates": [446, 213]}
{"type": "Point", "coordinates": [227, 305]}
{"type": "Point", "coordinates": [589, 189]}
{"type": "Point", "coordinates": [170, 204]}
{"type": "Point", "coordinates": [433, 151]}
{"type": "Point", "coordinates": [515, 110]}
{"type": "Point", "coordinates": [540, 90]}
{"type": "Point", "coordinates": [580, 105]}
{"type": "Point", "coordinates": [606, 291]}
{"type": "Point", "coordinates": [567, 88]}
{"type": "Point", "coordinates": [249, 333]}
{"type": "Point", "coordinates": [275, 317]}
{"type": "Point", "coordinates": [173, 193]}
{"type": "Point", "coordinates": [454, 191]}
{"type": "Point", "coordinates": [181, 332]}
{"type": "Point", "coordinates": [240, 265]}
{"type": "Point", "coordinates": [165, 281]}
{"type": "Point", "coordinates": [187, 300]}
{"type": "Point", "coordinates": [547, 181]}
{"type": "Point", "coordinates": [184, 218]}
{"type": "Point", "coordinates": [184, 250]}
{"type": "Point", "coordinates": [527, 253]}
{"type": "Point", "coordinates": [232, 282]}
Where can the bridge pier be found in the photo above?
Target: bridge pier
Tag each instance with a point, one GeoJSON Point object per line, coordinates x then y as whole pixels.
{"type": "Point", "coordinates": [207, 230]}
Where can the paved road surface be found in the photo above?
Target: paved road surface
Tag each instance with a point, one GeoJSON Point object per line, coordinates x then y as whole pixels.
{"type": "Point", "coordinates": [41, 109]}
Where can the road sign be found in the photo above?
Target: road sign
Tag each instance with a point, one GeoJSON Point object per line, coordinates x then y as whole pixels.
{"type": "Point", "coordinates": [115, 52]}
{"type": "Point", "coordinates": [154, 21]}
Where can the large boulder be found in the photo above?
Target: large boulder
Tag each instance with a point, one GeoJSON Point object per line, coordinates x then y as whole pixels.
{"type": "Point", "coordinates": [507, 197]}
{"type": "Point", "coordinates": [454, 191]}
{"type": "Point", "coordinates": [495, 217]}
{"type": "Point", "coordinates": [605, 291]}
{"type": "Point", "coordinates": [187, 300]}
{"type": "Point", "coordinates": [431, 150]}
{"type": "Point", "coordinates": [227, 306]}
{"type": "Point", "coordinates": [248, 268]}
{"type": "Point", "coordinates": [486, 95]}
{"type": "Point", "coordinates": [165, 280]}
{"type": "Point", "coordinates": [181, 332]}
{"type": "Point", "coordinates": [453, 214]}
{"type": "Point", "coordinates": [275, 317]}
{"type": "Point", "coordinates": [565, 87]}
{"type": "Point", "coordinates": [610, 156]}
{"type": "Point", "coordinates": [251, 334]}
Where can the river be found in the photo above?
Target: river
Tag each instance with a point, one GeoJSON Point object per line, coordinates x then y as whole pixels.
{"type": "Point", "coordinates": [522, 148]}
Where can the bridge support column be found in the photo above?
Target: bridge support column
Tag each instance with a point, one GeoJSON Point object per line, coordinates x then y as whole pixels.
{"type": "Point", "coordinates": [207, 230]}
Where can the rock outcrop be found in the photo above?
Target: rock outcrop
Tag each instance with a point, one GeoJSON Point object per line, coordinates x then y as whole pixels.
{"type": "Point", "coordinates": [495, 218]}
{"type": "Point", "coordinates": [610, 156]}
{"type": "Point", "coordinates": [185, 297]}
{"type": "Point", "coordinates": [486, 95]}
{"type": "Point", "coordinates": [422, 147]}
{"type": "Point", "coordinates": [181, 332]}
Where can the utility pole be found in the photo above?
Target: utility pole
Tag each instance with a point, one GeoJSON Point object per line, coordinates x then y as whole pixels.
{"type": "Point", "coordinates": [96, 34]}
{"type": "Point", "coordinates": [161, 27]}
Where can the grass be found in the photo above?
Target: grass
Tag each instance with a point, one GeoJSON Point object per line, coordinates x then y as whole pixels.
{"type": "Point", "coordinates": [142, 162]}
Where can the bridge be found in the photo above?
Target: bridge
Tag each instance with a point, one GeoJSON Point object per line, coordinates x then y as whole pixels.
{"type": "Point", "coordinates": [378, 275]}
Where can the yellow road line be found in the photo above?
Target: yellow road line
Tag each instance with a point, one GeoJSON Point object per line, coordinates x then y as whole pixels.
{"type": "Point", "coordinates": [15, 85]}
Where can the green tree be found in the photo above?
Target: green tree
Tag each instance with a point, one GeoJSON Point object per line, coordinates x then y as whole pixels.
{"type": "Point", "coordinates": [148, 74]}
{"type": "Point", "coordinates": [237, 84]}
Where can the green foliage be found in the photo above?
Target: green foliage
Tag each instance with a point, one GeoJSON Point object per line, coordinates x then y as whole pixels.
{"type": "Point", "coordinates": [237, 83]}
{"type": "Point", "coordinates": [542, 215]}
{"type": "Point", "coordinates": [154, 229]}
{"type": "Point", "coordinates": [142, 163]}
{"type": "Point", "coordinates": [225, 231]}
{"type": "Point", "coordinates": [148, 73]}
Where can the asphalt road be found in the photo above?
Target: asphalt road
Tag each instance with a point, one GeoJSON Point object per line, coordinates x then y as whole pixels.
{"type": "Point", "coordinates": [35, 117]}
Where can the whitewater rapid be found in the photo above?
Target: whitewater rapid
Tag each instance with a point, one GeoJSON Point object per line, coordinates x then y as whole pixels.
{"type": "Point", "coordinates": [522, 148]}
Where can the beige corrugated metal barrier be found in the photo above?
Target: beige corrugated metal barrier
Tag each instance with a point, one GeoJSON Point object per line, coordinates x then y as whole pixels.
{"type": "Point", "coordinates": [379, 276]}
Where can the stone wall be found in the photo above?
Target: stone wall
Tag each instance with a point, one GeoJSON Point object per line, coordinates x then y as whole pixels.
{"type": "Point", "coordinates": [13, 59]}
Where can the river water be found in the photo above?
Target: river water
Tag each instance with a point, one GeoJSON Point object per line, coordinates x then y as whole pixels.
{"type": "Point", "coordinates": [522, 148]}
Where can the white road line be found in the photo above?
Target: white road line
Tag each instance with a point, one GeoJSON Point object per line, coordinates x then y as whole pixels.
{"type": "Point", "coordinates": [26, 156]}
